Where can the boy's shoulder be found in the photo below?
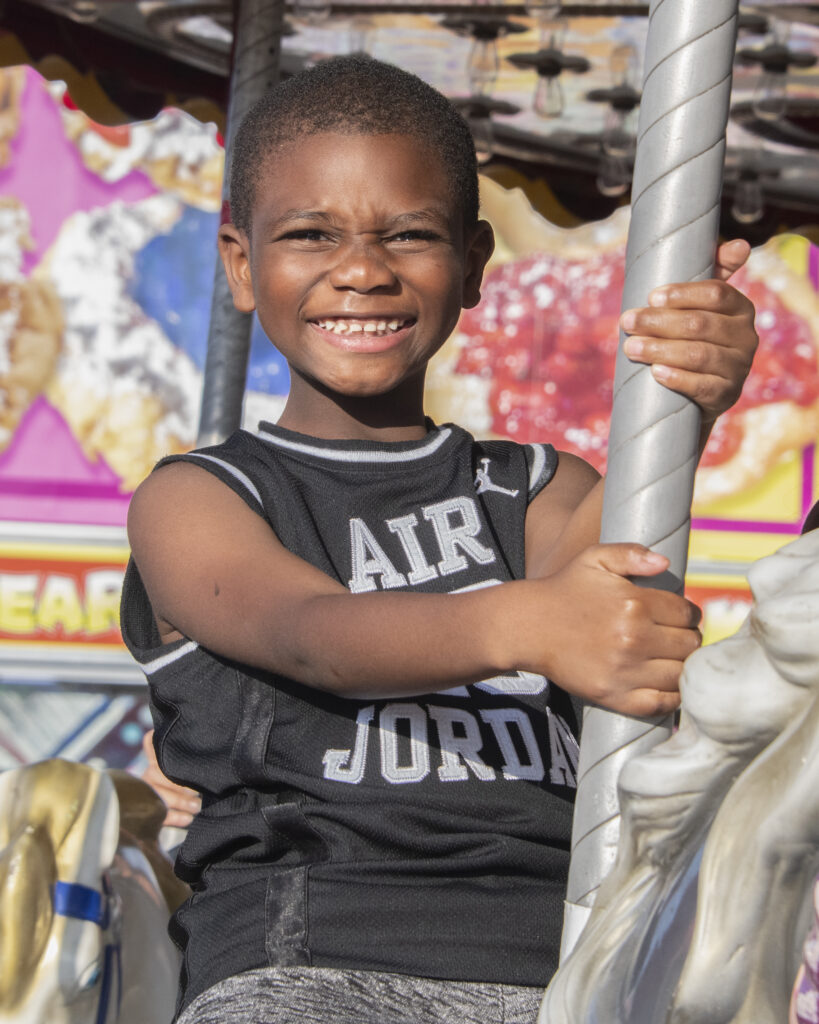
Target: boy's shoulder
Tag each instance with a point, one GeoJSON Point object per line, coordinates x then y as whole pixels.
{"type": "Point", "coordinates": [234, 462]}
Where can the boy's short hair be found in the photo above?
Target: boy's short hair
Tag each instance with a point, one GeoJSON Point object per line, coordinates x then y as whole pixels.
{"type": "Point", "coordinates": [353, 95]}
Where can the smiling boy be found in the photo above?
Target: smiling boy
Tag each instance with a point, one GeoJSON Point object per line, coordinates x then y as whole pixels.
{"type": "Point", "coordinates": [361, 629]}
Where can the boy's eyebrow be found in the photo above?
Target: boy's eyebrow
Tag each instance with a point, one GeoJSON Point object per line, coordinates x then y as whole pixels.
{"type": "Point", "coordinates": [429, 213]}
{"type": "Point", "coordinates": [435, 213]}
{"type": "Point", "coordinates": [289, 215]}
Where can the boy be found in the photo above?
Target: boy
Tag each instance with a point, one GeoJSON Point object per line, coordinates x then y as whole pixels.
{"type": "Point", "coordinates": [345, 658]}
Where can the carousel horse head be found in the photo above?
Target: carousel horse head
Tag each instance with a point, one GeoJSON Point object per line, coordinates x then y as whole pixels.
{"type": "Point", "coordinates": [703, 916]}
{"type": "Point", "coordinates": [84, 899]}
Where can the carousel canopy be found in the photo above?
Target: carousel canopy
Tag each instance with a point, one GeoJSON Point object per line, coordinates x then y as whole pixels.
{"type": "Point", "coordinates": [549, 89]}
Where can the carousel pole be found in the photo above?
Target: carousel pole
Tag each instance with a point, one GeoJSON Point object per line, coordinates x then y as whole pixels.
{"type": "Point", "coordinates": [257, 31]}
{"type": "Point", "coordinates": [653, 444]}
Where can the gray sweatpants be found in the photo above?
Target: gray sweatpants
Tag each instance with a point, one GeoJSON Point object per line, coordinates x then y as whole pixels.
{"type": "Point", "coordinates": [325, 995]}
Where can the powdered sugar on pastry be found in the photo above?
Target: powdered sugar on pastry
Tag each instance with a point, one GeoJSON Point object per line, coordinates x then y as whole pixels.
{"type": "Point", "coordinates": [30, 323]}
{"type": "Point", "coordinates": [129, 395]}
{"type": "Point", "coordinates": [178, 153]}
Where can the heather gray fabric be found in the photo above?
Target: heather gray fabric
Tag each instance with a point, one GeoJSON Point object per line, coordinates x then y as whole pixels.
{"type": "Point", "coordinates": [326, 995]}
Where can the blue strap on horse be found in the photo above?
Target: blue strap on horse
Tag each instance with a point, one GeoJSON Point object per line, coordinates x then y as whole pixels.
{"type": "Point", "coordinates": [79, 901]}
{"type": "Point", "coordinates": [71, 899]}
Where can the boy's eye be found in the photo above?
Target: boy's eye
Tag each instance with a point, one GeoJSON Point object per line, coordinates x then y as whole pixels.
{"type": "Point", "coordinates": [304, 235]}
{"type": "Point", "coordinates": [414, 235]}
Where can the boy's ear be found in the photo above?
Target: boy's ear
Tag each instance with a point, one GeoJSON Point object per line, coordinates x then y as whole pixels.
{"type": "Point", "coordinates": [478, 251]}
{"type": "Point", "coordinates": [234, 248]}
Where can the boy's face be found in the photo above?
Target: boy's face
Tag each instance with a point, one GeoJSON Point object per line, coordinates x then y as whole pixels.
{"type": "Point", "coordinates": [357, 262]}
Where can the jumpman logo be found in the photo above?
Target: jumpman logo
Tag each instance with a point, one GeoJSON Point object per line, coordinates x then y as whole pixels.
{"type": "Point", "coordinates": [483, 483]}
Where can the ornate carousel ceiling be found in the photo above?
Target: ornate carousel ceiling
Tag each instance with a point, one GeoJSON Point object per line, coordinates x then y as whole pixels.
{"type": "Point", "coordinates": [548, 88]}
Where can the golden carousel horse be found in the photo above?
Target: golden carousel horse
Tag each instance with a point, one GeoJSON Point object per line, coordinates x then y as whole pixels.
{"type": "Point", "coordinates": [85, 895]}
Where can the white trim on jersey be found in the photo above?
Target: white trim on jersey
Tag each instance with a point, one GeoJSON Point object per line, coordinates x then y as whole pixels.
{"type": "Point", "coordinates": [234, 472]}
{"type": "Point", "coordinates": [538, 462]}
{"type": "Point", "coordinates": [355, 455]}
{"type": "Point", "coordinates": [149, 667]}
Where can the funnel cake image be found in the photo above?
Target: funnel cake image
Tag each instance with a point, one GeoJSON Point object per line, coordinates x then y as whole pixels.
{"type": "Point", "coordinates": [126, 391]}
{"type": "Point", "coordinates": [178, 153]}
{"type": "Point", "coordinates": [778, 410]}
{"type": "Point", "coordinates": [30, 323]}
{"type": "Point", "coordinates": [535, 359]}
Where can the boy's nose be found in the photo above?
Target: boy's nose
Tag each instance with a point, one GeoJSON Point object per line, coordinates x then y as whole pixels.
{"type": "Point", "coordinates": [362, 268]}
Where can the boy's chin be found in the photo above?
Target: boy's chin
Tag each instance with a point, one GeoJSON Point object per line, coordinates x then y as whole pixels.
{"type": "Point", "coordinates": [364, 387]}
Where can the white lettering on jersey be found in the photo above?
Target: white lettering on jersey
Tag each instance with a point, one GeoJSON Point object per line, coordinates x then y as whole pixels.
{"type": "Point", "coordinates": [404, 527]}
{"type": "Point", "coordinates": [336, 766]}
{"type": "Point", "coordinates": [521, 682]}
{"type": "Point", "coordinates": [460, 739]}
{"type": "Point", "coordinates": [369, 559]}
{"type": "Point", "coordinates": [562, 772]}
{"type": "Point", "coordinates": [452, 536]}
{"type": "Point", "coordinates": [513, 767]}
{"type": "Point", "coordinates": [458, 749]}
{"type": "Point", "coordinates": [418, 768]}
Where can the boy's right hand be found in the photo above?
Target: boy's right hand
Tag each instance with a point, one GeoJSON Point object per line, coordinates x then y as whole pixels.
{"type": "Point", "coordinates": [182, 803]}
{"type": "Point", "coordinates": [620, 645]}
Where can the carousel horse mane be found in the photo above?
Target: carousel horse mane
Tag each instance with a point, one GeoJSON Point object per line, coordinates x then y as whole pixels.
{"type": "Point", "coordinates": [703, 916]}
{"type": "Point", "coordinates": [85, 894]}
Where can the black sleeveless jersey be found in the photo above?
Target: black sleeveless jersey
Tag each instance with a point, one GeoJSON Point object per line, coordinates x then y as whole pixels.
{"type": "Point", "coordinates": [425, 836]}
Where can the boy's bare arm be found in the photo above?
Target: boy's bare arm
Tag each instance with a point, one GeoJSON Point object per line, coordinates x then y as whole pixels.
{"type": "Point", "coordinates": [215, 572]}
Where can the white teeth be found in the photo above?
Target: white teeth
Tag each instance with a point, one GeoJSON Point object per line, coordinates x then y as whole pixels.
{"type": "Point", "coordinates": [371, 328]}
{"type": "Point", "coordinates": [358, 326]}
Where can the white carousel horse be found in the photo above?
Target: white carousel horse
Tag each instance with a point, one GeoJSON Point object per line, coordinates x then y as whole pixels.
{"type": "Point", "coordinates": [85, 894]}
{"type": "Point", "coordinates": [703, 916]}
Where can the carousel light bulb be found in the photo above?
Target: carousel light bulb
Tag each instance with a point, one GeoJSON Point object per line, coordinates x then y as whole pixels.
{"type": "Point", "coordinates": [542, 9]}
{"type": "Point", "coordinates": [552, 32]}
{"type": "Point", "coordinates": [616, 140]}
{"type": "Point", "coordinates": [623, 65]}
{"type": "Point", "coordinates": [548, 99]}
{"type": "Point", "coordinates": [483, 135]}
{"type": "Point", "coordinates": [550, 25]}
{"type": "Point", "coordinates": [771, 97]}
{"type": "Point", "coordinates": [483, 66]}
{"type": "Point", "coordinates": [84, 10]}
{"type": "Point", "coordinates": [613, 175]}
{"type": "Point", "coordinates": [748, 205]}
{"type": "Point", "coordinates": [360, 34]}
{"type": "Point", "coordinates": [311, 11]}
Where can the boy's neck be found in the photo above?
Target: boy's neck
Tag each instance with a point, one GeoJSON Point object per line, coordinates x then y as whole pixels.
{"type": "Point", "coordinates": [396, 416]}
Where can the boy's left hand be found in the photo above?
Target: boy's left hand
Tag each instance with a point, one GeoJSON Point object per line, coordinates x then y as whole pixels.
{"type": "Point", "coordinates": [699, 337]}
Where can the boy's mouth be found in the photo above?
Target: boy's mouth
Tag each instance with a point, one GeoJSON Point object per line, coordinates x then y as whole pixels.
{"type": "Point", "coordinates": [377, 327]}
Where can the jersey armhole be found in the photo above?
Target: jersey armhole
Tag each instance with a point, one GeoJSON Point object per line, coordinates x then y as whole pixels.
{"type": "Point", "coordinates": [137, 621]}
{"type": "Point", "coordinates": [239, 482]}
{"type": "Point", "coordinates": [541, 461]}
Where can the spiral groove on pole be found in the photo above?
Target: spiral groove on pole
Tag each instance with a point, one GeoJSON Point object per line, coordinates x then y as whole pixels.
{"type": "Point", "coordinates": [257, 31]}
{"type": "Point", "coordinates": [654, 432]}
